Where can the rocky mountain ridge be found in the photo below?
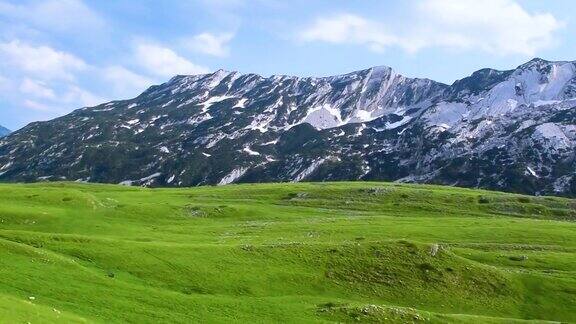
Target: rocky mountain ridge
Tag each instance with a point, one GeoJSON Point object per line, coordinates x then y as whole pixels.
{"type": "Point", "coordinates": [508, 130]}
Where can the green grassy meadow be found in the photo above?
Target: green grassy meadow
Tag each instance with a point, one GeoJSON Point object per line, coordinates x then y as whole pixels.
{"type": "Point", "coordinates": [291, 253]}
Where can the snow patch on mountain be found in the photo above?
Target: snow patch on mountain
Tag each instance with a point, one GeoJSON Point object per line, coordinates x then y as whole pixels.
{"type": "Point", "coordinates": [248, 150]}
{"type": "Point", "coordinates": [232, 176]}
{"type": "Point", "coordinates": [241, 103]}
{"type": "Point", "coordinates": [212, 100]}
{"type": "Point", "coordinates": [308, 170]}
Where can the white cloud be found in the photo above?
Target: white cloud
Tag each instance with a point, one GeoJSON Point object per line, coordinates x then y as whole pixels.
{"type": "Point", "coordinates": [37, 89]}
{"type": "Point", "coordinates": [35, 105]}
{"type": "Point", "coordinates": [164, 62]}
{"type": "Point", "coordinates": [211, 44]}
{"type": "Point", "coordinates": [347, 28]}
{"type": "Point", "coordinates": [42, 61]}
{"type": "Point", "coordinates": [5, 84]}
{"type": "Point", "coordinates": [70, 16]}
{"type": "Point", "coordinates": [44, 79]}
{"type": "Point", "coordinates": [494, 26]}
{"type": "Point", "coordinates": [54, 104]}
{"type": "Point", "coordinates": [125, 82]}
{"type": "Point", "coordinates": [76, 96]}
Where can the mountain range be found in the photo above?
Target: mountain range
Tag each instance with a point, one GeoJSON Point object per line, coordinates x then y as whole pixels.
{"type": "Point", "coordinates": [509, 130]}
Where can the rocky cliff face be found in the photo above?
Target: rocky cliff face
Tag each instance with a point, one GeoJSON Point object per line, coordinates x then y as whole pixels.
{"type": "Point", "coordinates": [510, 130]}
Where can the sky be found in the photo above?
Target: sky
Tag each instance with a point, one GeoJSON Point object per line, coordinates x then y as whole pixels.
{"type": "Point", "coordinates": [60, 55]}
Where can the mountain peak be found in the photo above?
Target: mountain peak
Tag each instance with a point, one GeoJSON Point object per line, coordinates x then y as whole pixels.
{"type": "Point", "coordinates": [539, 63]}
{"type": "Point", "coordinates": [379, 68]}
{"type": "Point", "coordinates": [535, 62]}
{"type": "Point", "coordinates": [538, 60]}
{"type": "Point", "coordinates": [4, 131]}
{"type": "Point", "coordinates": [221, 72]}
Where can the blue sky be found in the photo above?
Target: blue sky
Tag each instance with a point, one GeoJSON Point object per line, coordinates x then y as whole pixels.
{"type": "Point", "coordinates": [59, 55]}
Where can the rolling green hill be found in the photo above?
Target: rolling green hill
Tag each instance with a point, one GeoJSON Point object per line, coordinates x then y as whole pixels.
{"type": "Point", "coordinates": [293, 253]}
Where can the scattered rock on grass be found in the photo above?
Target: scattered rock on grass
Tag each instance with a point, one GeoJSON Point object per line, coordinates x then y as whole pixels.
{"type": "Point", "coordinates": [375, 191]}
{"type": "Point", "coordinates": [434, 249]}
{"type": "Point", "coordinates": [518, 258]}
{"type": "Point", "coordinates": [483, 200]}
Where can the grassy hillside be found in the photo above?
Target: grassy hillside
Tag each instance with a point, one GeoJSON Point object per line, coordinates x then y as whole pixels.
{"type": "Point", "coordinates": [297, 253]}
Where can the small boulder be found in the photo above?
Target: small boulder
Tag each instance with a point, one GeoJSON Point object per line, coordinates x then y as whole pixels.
{"type": "Point", "coordinates": [434, 249]}
{"type": "Point", "coordinates": [518, 257]}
